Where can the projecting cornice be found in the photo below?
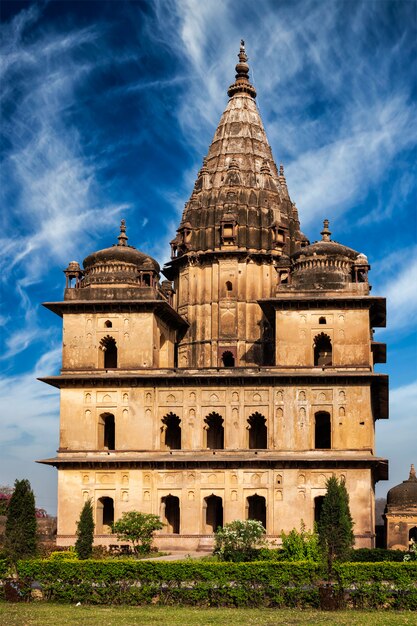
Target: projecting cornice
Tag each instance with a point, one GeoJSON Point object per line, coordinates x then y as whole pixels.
{"type": "Point", "coordinates": [221, 459]}
{"type": "Point", "coordinates": [161, 308]}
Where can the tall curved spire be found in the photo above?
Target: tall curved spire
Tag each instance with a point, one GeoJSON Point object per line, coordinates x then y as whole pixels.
{"type": "Point", "coordinates": [240, 180]}
{"type": "Point", "coordinates": [242, 84]}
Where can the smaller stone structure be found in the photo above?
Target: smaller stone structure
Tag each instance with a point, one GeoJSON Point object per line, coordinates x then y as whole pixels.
{"type": "Point", "coordinates": [401, 514]}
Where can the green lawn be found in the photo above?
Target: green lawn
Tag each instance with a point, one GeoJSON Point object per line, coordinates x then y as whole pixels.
{"type": "Point", "coordinates": [48, 614]}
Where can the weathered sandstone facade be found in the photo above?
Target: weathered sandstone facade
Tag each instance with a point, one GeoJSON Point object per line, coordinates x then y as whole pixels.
{"type": "Point", "coordinates": [235, 388]}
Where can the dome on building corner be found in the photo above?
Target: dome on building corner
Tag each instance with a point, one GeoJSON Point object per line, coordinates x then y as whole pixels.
{"type": "Point", "coordinates": [405, 494]}
{"type": "Point", "coordinates": [117, 264]}
{"type": "Point", "coordinates": [328, 264]}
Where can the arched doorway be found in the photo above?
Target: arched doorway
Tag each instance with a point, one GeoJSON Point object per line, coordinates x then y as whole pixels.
{"type": "Point", "coordinates": [171, 513]}
{"type": "Point", "coordinates": [172, 429]}
{"type": "Point", "coordinates": [105, 515]}
{"type": "Point", "coordinates": [214, 431]}
{"type": "Point", "coordinates": [322, 431]}
{"type": "Point", "coordinates": [214, 513]}
{"type": "Point", "coordinates": [258, 432]}
{"type": "Point", "coordinates": [322, 350]}
{"type": "Point", "coordinates": [412, 534]}
{"type": "Point", "coordinates": [256, 507]}
{"type": "Point", "coordinates": [228, 359]}
{"type": "Point", "coordinates": [106, 432]}
{"type": "Point", "coordinates": [318, 504]}
{"type": "Point", "coordinates": [108, 349]}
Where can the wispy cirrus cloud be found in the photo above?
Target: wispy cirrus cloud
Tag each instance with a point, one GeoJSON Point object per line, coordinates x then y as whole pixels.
{"type": "Point", "coordinates": [30, 430]}
{"type": "Point", "coordinates": [340, 118]}
{"type": "Point", "coordinates": [393, 437]}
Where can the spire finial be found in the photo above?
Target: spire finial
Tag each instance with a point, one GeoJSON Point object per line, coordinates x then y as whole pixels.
{"type": "Point", "coordinates": [412, 473]}
{"type": "Point", "coordinates": [325, 233]}
{"type": "Point", "coordinates": [281, 170]}
{"type": "Point", "coordinates": [122, 238]}
{"type": "Point", "coordinates": [242, 84]}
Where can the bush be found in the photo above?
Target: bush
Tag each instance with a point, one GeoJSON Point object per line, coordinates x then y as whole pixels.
{"type": "Point", "coordinates": [375, 555]}
{"type": "Point", "coordinates": [300, 546]}
{"type": "Point", "coordinates": [274, 584]}
{"type": "Point", "coordinates": [138, 528]}
{"type": "Point", "coordinates": [239, 540]}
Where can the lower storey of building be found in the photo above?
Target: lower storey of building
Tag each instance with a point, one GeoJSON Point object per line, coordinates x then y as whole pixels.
{"type": "Point", "coordinates": [193, 503]}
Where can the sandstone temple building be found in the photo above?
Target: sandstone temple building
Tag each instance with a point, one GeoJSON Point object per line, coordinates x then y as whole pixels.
{"type": "Point", "coordinates": [236, 386]}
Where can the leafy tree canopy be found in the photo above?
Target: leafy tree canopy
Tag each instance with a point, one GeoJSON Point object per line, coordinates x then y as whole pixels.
{"type": "Point", "coordinates": [138, 528]}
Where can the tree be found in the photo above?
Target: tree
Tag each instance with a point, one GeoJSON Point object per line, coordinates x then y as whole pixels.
{"type": "Point", "coordinates": [138, 528]}
{"type": "Point", "coordinates": [85, 532]}
{"type": "Point", "coordinates": [239, 540]}
{"type": "Point", "coordinates": [335, 525]}
{"type": "Point", "coordinates": [20, 532]}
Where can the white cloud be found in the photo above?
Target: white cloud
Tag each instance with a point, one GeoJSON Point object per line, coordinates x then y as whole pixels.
{"type": "Point", "coordinates": [395, 438]}
{"type": "Point", "coordinates": [396, 279]}
{"type": "Point", "coordinates": [29, 425]}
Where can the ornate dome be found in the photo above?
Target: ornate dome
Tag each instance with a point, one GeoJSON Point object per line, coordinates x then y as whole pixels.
{"type": "Point", "coordinates": [405, 494]}
{"type": "Point", "coordinates": [118, 264]}
{"type": "Point", "coordinates": [325, 264]}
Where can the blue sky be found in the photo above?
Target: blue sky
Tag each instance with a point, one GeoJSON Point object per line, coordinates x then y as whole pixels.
{"type": "Point", "coordinates": [107, 111]}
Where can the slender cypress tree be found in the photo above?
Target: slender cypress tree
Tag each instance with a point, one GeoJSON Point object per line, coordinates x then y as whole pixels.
{"type": "Point", "coordinates": [85, 532]}
{"type": "Point", "coordinates": [335, 527]}
{"type": "Point", "coordinates": [20, 532]}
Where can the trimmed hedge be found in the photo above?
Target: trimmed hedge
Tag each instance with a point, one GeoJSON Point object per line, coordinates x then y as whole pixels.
{"type": "Point", "coordinates": [274, 584]}
{"type": "Point", "coordinates": [376, 555]}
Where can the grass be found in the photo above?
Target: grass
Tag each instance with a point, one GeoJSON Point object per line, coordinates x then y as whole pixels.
{"type": "Point", "coordinates": [49, 614]}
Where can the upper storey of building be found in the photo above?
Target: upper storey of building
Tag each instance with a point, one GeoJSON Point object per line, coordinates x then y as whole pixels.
{"type": "Point", "coordinates": [240, 199]}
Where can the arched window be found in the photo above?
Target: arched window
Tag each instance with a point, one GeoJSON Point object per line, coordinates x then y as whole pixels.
{"type": "Point", "coordinates": [318, 504]}
{"type": "Point", "coordinates": [170, 514]}
{"type": "Point", "coordinates": [229, 286]}
{"type": "Point", "coordinates": [214, 431]}
{"type": "Point", "coordinates": [108, 324]}
{"type": "Point", "coordinates": [109, 350]}
{"type": "Point", "coordinates": [322, 350]}
{"type": "Point", "coordinates": [228, 359]}
{"type": "Point", "coordinates": [213, 513]}
{"type": "Point", "coordinates": [322, 320]}
{"type": "Point", "coordinates": [322, 431]}
{"type": "Point", "coordinates": [106, 431]}
{"type": "Point", "coordinates": [105, 515]}
{"type": "Point", "coordinates": [171, 427]}
{"type": "Point", "coordinates": [256, 509]}
{"type": "Point", "coordinates": [258, 432]}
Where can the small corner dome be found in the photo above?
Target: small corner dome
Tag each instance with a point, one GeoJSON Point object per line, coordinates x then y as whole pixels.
{"type": "Point", "coordinates": [326, 247]}
{"type": "Point", "coordinates": [404, 494]}
{"type": "Point", "coordinates": [117, 264]}
{"type": "Point", "coordinates": [361, 259]}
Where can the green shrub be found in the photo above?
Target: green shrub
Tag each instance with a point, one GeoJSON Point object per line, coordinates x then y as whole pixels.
{"type": "Point", "coordinates": [239, 540]}
{"type": "Point", "coordinates": [300, 546]}
{"type": "Point", "coordinates": [63, 555]}
{"type": "Point", "coordinates": [138, 528]}
{"type": "Point", "coordinates": [375, 555]}
{"type": "Point", "coordinates": [273, 584]}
